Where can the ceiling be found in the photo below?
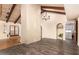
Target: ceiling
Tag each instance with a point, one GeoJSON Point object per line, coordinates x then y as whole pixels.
{"type": "Point", "coordinates": [10, 13]}
{"type": "Point", "coordinates": [72, 11]}
{"type": "Point", "coordinates": [58, 5]}
{"type": "Point", "coordinates": [55, 8]}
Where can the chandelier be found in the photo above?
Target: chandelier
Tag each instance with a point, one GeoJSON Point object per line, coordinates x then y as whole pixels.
{"type": "Point", "coordinates": [45, 16]}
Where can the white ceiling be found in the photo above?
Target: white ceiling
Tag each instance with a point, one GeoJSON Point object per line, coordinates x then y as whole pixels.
{"type": "Point", "coordinates": [72, 11]}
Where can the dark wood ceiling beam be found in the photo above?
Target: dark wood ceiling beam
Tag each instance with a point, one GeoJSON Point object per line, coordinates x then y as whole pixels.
{"type": "Point", "coordinates": [10, 12]}
{"type": "Point", "coordinates": [17, 19]}
{"type": "Point", "coordinates": [52, 7]}
{"type": "Point", "coordinates": [54, 12]}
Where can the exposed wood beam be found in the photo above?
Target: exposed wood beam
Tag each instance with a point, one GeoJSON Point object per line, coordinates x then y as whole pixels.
{"type": "Point", "coordinates": [10, 12]}
{"type": "Point", "coordinates": [17, 19]}
{"type": "Point", "coordinates": [54, 11]}
{"type": "Point", "coordinates": [42, 10]}
{"type": "Point", "coordinates": [52, 7]}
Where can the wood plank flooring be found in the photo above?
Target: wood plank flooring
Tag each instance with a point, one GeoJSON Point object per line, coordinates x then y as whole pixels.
{"type": "Point", "coordinates": [6, 43]}
{"type": "Point", "coordinates": [43, 47]}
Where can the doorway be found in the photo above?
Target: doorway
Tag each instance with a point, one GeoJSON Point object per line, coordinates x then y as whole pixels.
{"type": "Point", "coordinates": [59, 30]}
{"type": "Point", "coordinates": [72, 31]}
{"type": "Point", "coordinates": [75, 33]}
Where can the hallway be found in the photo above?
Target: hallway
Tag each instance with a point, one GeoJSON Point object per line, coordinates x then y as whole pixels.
{"type": "Point", "coordinates": [43, 47]}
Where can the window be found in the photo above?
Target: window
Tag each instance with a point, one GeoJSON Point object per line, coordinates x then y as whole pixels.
{"type": "Point", "coordinates": [14, 30]}
{"type": "Point", "coordinates": [59, 26]}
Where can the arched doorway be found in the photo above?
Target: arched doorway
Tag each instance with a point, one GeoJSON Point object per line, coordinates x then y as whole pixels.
{"type": "Point", "coordinates": [59, 30]}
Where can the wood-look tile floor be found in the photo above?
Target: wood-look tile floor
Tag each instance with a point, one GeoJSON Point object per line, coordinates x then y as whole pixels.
{"type": "Point", "coordinates": [43, 47]}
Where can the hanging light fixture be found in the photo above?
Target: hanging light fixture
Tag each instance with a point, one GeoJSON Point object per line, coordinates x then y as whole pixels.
{"type": "Point", "coordinates": [45, 16]}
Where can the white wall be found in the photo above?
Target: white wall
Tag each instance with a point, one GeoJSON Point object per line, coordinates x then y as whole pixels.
{"type": "Point", "coordinates": [30, 24]}
{"type": "Point", "coordinates": [4, 35]}
{"type": "Point", "coordinates": [78, 31]}
{"type": "Point", "coordinates": [49, 26]}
